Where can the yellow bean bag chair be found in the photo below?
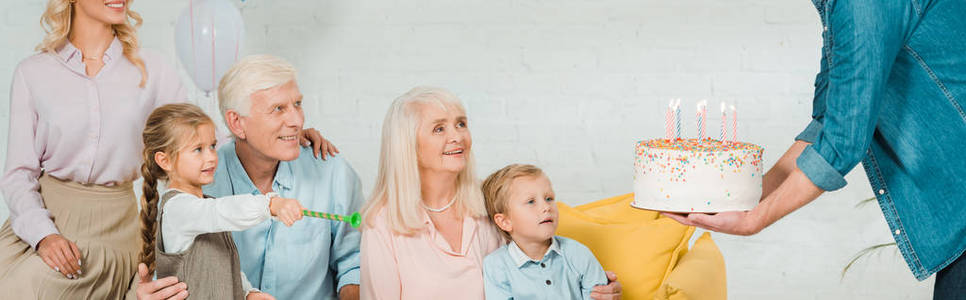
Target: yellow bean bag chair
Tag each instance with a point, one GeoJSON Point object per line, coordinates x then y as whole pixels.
{"type": "Point", "coordinates": [648, 252]}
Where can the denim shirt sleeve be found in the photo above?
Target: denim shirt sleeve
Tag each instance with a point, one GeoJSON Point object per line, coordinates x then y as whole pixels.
{"type": "Point", "coordinates": [344, 251]}
{"type": "Point", "coordinates": [862, 40]}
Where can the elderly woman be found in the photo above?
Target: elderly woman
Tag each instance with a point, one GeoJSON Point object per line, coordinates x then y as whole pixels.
{"type": "Point", "coordinates": [426, 230]}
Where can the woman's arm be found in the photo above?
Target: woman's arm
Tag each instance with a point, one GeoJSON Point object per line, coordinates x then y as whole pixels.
{"type": "Point", "coordinates": [28, 217]}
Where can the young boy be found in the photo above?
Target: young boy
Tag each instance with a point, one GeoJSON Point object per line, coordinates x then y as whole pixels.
{"type": "Point", "coordinates": [536, 264]}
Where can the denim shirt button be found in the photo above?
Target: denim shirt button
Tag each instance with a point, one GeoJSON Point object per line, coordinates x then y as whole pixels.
{"type": "Point", "coordinates": [881, 191]}
{"type": "Point", "coordinates": [825, 28]}
{"type": "Point", "coordinates": [897, 231]}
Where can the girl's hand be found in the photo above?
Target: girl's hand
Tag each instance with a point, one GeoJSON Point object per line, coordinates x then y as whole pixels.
{"type": "Point", "coordinates": [259, 296]}
{"type": "Point", "coordinates": [61, 255]}
{"type": "Point", "coordinates": [320, 146]}
{"type": "Point", "coordinates": [286, 210]}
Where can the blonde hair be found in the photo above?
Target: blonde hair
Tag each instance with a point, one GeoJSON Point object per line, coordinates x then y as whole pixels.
{"type": "Point", "coordinates": [249, 75]}
{"type": "Point", "coordinates": [57, 22]}
{"type": "Point", "coordinates": [397, 187]}
{"type": "Point", "coordinates": [496, 188]}
{"type": "Point", "coordinates": [164, 131]}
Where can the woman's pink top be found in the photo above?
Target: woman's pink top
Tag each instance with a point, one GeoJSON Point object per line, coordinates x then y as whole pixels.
{"type": "Point", "coordinates": [423, 266]}
{"type": "Point", "coordinates": [78, 128]}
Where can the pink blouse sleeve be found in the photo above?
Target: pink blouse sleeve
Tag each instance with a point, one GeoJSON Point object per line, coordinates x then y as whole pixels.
{"type": "Point", "coordinates": [377, 265]}
{"type": "Point", "coordinates": [28, 217]}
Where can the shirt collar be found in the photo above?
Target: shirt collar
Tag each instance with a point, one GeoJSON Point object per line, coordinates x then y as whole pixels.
{"type": "Point", "coordinates": [284, 176]}
{"type": "Point", "coordinates": [520, 259]}
{"type": "Point", "coordinates": [67, 51]}
{"type": "Point", "coordinates": [240, 181]}
{"type": "Point", "coordinates": [70, 52]}
{"type": "Point", "coordinates": [819, 5]}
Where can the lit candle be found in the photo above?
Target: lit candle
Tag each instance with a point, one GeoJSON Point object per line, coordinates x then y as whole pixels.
{"type": "Point", "coordinates": [699, 117]}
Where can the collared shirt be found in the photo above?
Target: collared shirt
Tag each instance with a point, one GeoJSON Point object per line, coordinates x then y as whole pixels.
{"type": "Point", "coordinates": [568, 270]}
{"type": "Point", "coordinates": [891, 93]}
{"type": "Point", "coordinates": [423, 265]}
{"type": "Point", "coordinates": [78, 128]}
{"type": "Point", "coordinates": [315, 257]}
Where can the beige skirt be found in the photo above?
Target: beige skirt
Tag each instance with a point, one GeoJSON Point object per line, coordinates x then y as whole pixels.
{"type": "Point", "coordinates": [101, 220]}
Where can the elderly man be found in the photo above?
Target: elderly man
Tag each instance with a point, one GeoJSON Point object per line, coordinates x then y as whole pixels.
{"type": "Point", "coordinates": [315, 258]}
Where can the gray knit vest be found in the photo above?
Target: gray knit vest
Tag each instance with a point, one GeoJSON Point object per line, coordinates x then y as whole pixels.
{"type": "Point", "coordinates": [209, 266]}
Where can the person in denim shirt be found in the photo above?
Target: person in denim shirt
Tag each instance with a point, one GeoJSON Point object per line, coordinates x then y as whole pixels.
{"type": "Point", "coordinates": [890, 94]}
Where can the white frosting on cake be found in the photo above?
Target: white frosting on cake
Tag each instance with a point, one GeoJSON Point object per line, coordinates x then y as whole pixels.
{"type": "Point", "coordinates": [697, 175]}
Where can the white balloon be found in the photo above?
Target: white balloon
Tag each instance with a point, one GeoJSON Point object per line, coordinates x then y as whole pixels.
{"type": "Point", "coordinates": [208, 38]}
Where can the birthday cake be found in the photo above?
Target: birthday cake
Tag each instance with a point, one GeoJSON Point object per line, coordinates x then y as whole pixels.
{"type": "Point", "coordinates": [697, 175]}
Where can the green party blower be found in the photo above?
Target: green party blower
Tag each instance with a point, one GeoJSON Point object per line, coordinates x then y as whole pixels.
{"type": "Point", "coordinates": [355, 219]}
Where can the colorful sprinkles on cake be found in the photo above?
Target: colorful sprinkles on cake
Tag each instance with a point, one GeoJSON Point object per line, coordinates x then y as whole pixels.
{"type": "Point", "coordinates": [726, 156]}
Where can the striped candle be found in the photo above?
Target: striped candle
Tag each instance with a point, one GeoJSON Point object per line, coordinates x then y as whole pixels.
{"type": "Point", "coordinates": [734, 124]}
{"type": "Point", "coordinates": [700, 116]}
{"type": "Point", "coordinates": [668, 121]}
{"type": "Point", "coordinates": [721, 137]}
{"type": "Point", "coordinates": [677, 114]}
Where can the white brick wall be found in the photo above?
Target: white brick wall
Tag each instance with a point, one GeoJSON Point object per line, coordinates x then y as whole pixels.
{"type": "Point", "coordinates": [568, 85]}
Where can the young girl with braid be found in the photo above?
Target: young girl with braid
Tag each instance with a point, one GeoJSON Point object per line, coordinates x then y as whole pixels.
{"type": "Point", "coordinates": [193, 235]}
{"type": "Point", "coordinates": [72, 153]}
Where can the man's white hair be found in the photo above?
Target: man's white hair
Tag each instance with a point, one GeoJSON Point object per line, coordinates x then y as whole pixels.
{"type": "Point", "coordinates": [249, 75]}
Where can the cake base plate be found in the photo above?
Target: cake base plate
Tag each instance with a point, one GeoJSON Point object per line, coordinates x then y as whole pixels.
{"type": "Point", "coordinates": [704, 211]}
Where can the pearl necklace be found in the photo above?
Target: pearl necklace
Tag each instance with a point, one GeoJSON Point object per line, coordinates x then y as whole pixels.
{"type": "Point", "coordinates": [438, 210]}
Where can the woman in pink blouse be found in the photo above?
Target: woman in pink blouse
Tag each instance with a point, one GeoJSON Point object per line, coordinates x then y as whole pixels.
{"type": "Point", "coordinates": [77, 109]}
{"type": "Point", "coordinates": [426, 230]}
